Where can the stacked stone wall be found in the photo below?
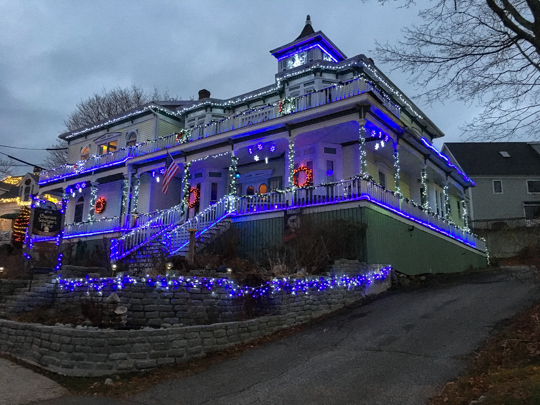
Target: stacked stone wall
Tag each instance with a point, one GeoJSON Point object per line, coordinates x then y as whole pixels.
{"type": "Point", "coordinates": [89, 351]}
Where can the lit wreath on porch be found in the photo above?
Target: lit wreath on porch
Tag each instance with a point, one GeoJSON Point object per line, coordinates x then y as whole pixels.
{"type": "Point", "coordinates": [100, 205]}
{"type": "Point", "coordinates": [195, 191]}
{"type": "Point", "coordinates": [309, 176]}
{"type": "Point", "coordinates": [182, 136]}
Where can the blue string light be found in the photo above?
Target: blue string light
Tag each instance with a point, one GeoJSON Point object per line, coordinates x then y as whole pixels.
{"type": "Point", "coordinates": [287, 285]}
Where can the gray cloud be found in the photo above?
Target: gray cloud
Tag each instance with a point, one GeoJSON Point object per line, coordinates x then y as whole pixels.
{"type": "Point", "coordinates": [55, 53]}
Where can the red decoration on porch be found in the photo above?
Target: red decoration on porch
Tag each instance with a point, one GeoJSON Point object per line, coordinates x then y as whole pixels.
{"type": "Point", "coordinates": [309, 176]}
{"type": "Point", "coordinates": [100, 205]}
{"type": "Point", "coordinates": [196, 193]}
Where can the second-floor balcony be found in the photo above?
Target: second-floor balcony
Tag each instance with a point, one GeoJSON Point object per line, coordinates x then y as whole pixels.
{"type": "Point", "coordinates": [240, 120]}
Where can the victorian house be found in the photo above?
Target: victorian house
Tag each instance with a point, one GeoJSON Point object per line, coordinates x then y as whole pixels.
{"type": "Point", "coordinates": [331, 137]}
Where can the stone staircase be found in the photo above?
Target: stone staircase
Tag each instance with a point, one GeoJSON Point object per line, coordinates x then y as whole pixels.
{"type": "Point", "coordinates": [146, 257]}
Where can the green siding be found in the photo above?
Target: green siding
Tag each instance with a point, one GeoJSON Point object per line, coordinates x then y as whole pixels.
{"type": "Point", "coordinates": [258, 236]}
{"type": "Point", "coordinates": [387, 240]}
{"type": "Point", "coordinates": [414, 251]}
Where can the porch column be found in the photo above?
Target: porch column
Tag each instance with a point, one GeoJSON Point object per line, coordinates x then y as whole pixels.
{"type": "Point", "coordinates": [425, 194]}
{"type": "Point", "coordinates": [362, 147]}
{"type": "Point", "coordinates": [233, 170]}
{"type": "Point", "coordinates": [289, 166]}
{"type": "Point", "coordinates": [396, 166]}
{"type": "Point", "coordinates": [135, 196]}
{"type": "Point", "coordinates": [185, 192]}
{"type": "Point", "coordinates": [465, 214]}
{"type": "Point", "coordinates": [125, 196]}
{"type": "Point", "coordinates": [446, 197]}
{"type": "Point", "coordinates": [93, 196]}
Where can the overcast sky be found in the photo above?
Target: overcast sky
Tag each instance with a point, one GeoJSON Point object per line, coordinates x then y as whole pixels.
{"type": "Point", "coordinates": [55, 53]}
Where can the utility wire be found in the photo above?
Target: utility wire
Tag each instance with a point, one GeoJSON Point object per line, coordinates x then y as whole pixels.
{"type": "Point", "coordinates": [22, 161]}
{"type": "Point", "coordinates": [16, 147]}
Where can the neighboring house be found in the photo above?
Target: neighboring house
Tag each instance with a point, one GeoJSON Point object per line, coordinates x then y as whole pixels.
{"type": "Point", "coordinates": [332, 137]}
{"type": "Point", "coordinates": [15, 192]}
{"type": "Point", "coordinates": [507, 177]}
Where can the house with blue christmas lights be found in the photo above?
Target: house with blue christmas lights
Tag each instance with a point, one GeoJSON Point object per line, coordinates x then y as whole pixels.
{"type": "Point", "coordinates": [331, 137]}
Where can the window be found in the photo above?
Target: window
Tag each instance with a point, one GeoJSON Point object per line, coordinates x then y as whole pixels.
{"type": "Point", "coordinates": [26, 196]}
{"type": "Point", "coordinates": [504, 154]}
{"type": "Point", "coordinates": [533, 186]}
{"type": "Point", "coordinates": [331, 151]}
{"type": "Point", "coordinates": [79, 210]}
{"type": "Point", "coordinates": [107, 147]}
{"type": "Point", "coordinates": [382, 179]}
{"type": "Point", "coordinates": [85, 152]}
{"type": "Point", "coordinates": [532, 210]}
{"type": "Point", "coordinates": [131, 139]}
{"type": "Point", "coordinates": [309, 164]}
{"type": "Point", "coordinates": [275, 183]}
{"type": "Point", "coordinates": [213, 193]}
{"type": "Point", "coordinates": [250, 190]}
{"type": "Point", "coordinates": [263, 189]}
{"type": "Point", "coordinates": [497, 187]}
{"type": "Point", "coordinates": [459, 209]}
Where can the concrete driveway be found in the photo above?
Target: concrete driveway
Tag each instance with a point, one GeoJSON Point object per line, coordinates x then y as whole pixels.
{"type": "Point", "coordinates": [399, 349]}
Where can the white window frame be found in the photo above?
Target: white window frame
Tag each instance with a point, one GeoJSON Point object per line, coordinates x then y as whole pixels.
{"type": "Point", "coordinates": [493, 186]}
{"type": "Point", "coordinates": [527, 183]}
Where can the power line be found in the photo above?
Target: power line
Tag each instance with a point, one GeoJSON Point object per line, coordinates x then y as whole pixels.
{"type": "Point", "coordinates": [22, 161]}
{"type": "Point", "coordinates": [16, 147]}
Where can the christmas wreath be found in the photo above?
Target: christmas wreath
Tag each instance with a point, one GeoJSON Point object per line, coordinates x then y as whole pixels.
{"type": "Point", "coordinates": [182, 136]}
{"type": "Point", "coordinates": [309, 176]}
{"type": "Point", "coordinates": [100, 205]}
{"type": "Point", "coordinates": [196, 193]}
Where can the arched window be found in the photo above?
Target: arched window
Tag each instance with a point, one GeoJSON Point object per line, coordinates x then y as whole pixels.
{"type": "Point", "coordinates": [263, 189]}
{"type": "Point", "coordinates": [79, 207]}
{"type": "Point", "coordinates": [85, 152]}
{"type": "Point", "coordinates": [131, 139]}
{"type": "Point", "coordinates": [250, 190]}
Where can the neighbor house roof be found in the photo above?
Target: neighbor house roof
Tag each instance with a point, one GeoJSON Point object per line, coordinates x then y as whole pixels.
{"type": "Point", "coordinates": [496, 158]}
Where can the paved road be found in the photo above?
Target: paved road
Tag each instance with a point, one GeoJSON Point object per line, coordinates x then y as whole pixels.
{"type": "Point", "coordinates": [18, 385]}
{"type": "Point", "coordinates": [397, 350]}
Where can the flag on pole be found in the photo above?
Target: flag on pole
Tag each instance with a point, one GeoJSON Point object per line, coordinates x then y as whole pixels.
{"type": "Point", "coordinates": [171, 168]}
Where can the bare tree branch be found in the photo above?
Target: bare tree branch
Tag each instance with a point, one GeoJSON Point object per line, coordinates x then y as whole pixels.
{"type": "Point", "coordinates": [476, 51]}
{"type": "Point", "coordinates": [102, 106]}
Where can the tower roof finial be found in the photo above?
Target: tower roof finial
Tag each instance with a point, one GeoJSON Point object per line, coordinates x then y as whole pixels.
{"type": "Point", "coordinates": [308, 20]}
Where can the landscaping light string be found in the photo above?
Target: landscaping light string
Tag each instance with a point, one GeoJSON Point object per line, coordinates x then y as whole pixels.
{"type": "Point", "coordinates": [285, 284]}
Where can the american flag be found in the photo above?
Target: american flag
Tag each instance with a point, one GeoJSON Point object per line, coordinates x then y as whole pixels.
{"type": "Point", "coordinates": [171, 168]}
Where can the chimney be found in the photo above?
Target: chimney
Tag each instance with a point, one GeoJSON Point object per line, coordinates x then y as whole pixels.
{"type": "Point", "coordinates": [204, 94]}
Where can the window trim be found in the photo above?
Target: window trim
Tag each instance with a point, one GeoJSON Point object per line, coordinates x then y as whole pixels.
{"type": "Point", "coordinates": [527, 184]}
{"type": "Point", "coordinates": [493, 186]}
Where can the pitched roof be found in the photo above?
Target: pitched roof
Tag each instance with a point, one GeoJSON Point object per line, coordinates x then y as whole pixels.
{"type": "Point", "coordinates": [308, 29]}
{"type": "Point", "coordinates": [485, 158]}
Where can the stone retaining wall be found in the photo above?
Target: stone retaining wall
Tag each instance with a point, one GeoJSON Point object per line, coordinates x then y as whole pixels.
{"type": "Point", "coordinates": [96, 352]}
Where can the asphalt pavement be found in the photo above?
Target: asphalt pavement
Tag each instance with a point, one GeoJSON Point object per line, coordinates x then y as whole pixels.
{"type": "Point", "coordinates": [399, 349]}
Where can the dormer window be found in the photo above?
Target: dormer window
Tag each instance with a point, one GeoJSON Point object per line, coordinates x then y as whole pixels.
{"type": "Point", "coordinates": [105, 148]}
{"type": "Point", "coordinates": [131, 139]}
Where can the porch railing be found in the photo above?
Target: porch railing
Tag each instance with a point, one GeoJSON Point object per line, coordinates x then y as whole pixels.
{"type": "Point", "coordinates": [145, 232]}
{"type": "Point", "coordinates": [204, 220]}
{"type": "Point", "coordinates": [348, 190]}
{"type": "Point", "coordinates": [83, 166]}
{"type": "Point", "coordinates": [243, 119]}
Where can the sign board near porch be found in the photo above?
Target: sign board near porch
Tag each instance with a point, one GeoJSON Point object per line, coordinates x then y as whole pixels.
{"type": "Point", "coordinates": [46, 222]}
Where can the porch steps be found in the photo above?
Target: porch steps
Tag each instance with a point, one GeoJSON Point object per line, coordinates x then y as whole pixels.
{"type": "Point", "coordinates": [211, 234]}
{"type": "Point", "coordinates": [144, 259]}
